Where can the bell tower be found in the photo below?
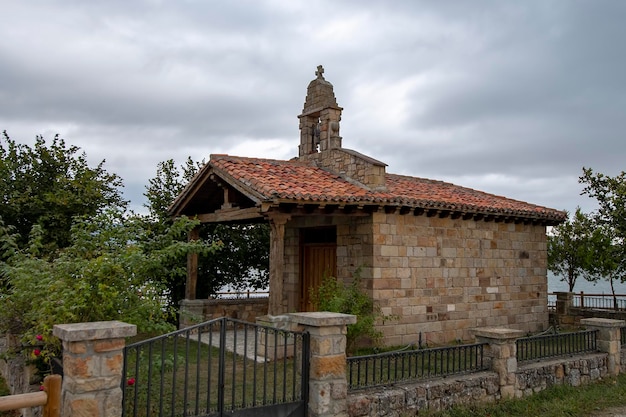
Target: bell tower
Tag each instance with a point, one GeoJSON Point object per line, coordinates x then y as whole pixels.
{"type": "Point", "coordinates": [319, 121]}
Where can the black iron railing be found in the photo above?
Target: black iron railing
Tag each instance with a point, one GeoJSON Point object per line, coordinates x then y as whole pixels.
{"type": "Point", "coordinates": [546, 346]}
{"type": "Point", "coordinates": [213, 368]}
{"type": "Point", "coordinates": [622, 337]}
{"type": "Point", "coordinates": [392, 367]}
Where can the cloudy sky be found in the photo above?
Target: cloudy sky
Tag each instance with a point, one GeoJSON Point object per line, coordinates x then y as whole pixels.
{"type": "Point", "coordinates": [509, 97]}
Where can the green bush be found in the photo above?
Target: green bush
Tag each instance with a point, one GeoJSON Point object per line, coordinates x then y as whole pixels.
{"type": "Point", "coordinates": [333, 295]}
{"type": "Point", "coordinates": [105, 274]}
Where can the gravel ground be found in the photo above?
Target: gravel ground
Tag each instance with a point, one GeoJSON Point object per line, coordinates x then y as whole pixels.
{"type": "Point", "coordinates": [611, 412]}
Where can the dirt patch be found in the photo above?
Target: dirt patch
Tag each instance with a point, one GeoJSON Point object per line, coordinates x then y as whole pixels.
{"type": "Point", "coordinates": [610, 412]}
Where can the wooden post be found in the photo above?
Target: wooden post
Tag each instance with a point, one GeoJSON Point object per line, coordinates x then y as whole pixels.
{"type": "Point", "coordinates": [52, 386]}
{"type": "Point", "coordinates": [192, 268]}
{"type": "Point", "coordinates": [582, 299]}
{"type": "Point", "coordinates": [277, 261]}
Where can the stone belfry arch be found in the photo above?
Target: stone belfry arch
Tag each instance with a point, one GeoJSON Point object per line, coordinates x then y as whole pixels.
{"type": "Point", "coordinates": [319, 121]}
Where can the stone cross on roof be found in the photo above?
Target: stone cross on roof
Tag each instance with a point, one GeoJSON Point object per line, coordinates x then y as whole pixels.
{"type": "Point", "coordinates": [320, 72]}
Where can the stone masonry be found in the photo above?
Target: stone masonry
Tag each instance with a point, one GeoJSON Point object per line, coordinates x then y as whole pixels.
{"type": "Point", "coordinates": [92, 367]}
{"type": "Point", "coordinates": [328, 384]}
{"type": "Point", "coordinates": [444, 276]}
{"type": "Point", "coordinates": [437, 276]}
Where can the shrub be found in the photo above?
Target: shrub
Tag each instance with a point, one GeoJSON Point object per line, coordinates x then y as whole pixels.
{"type": "Point", "coordinates": [333, 295]}
{"type": "Point", "coordinates": [105, 274]}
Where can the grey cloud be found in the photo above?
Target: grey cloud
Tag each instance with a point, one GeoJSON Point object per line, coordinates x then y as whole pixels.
{"type": "Point", "coordinates": [509, 97]}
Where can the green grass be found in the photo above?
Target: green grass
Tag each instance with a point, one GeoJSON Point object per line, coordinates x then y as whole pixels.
{"type": "Point", "coordinates": [171, 372]}
{"type": "Point", "coordinates": [557, 401]}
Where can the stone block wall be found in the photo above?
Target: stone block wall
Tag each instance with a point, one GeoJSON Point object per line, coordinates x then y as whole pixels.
{"type": "Point", "coordinates": [438, 276]}
{"type": "Point", "coordinates": [354, 251]}
{"type": "Point", "coordinates": [532, 378]}
{"type": "Point", "coordinates": [507, 378]}
{"type": "Point", "coordinates": [353, 165]}
{"type": "Point", "coordinates": [481, 387]}
{"type": "Point", "coordinates": [291, 285]}
{"type": "Point", "coordinates": [435, 394]}
{"type": "Point", "coordinates": [444, 276]}
{"type": "Point", "coordinates": [92, 367]}
{"type": "Point", "coordinates": [19, 374]}
{"type": "Point", "coordinates": [197, 311]}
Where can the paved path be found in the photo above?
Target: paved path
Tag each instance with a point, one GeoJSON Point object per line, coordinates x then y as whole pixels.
{"type": "Point", "coordinates": [236, 339]}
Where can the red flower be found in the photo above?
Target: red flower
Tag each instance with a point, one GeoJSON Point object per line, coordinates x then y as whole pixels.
{"type": "Point", "coordinates": [42, 388]}
{"type": "Point", "coordinates": [39, 337]}
{"type": "Point", "coordinates": [36, 352]}
{"type": "Point", "coordinates": [130, 382]}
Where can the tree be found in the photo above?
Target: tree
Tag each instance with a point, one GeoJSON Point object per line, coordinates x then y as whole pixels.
{"type": "Point", "coordinates": [610, 193]}
{"type": "Point", "coordinates": [569, 250]}
{"type": "Point", "coordinates": [244, 257]}
{"type": "Point", "coordinates": [48, 185]}
{"type": "Point", "coordinates": [106, 273]}
{"type": "Point", "coordinates": [168, 183]}
{"type": "Point", "coordinates": [605, 261]}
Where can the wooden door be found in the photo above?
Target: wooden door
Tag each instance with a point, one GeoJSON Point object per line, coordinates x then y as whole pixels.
{"type": "Point", "coordinates": [319, 260]}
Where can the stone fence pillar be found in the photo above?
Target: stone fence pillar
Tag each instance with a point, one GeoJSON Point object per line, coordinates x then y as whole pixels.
{"type": "Point", "coordinates": [328, 384]}
{"type": "Point", "coordinates": [563, 302]}
{"type": "Point", "coordinates": [609, 339]}
{"type": "Point", "coordinates": [92, 367]}
{"type": "Point", "coordinates": [503, 354]}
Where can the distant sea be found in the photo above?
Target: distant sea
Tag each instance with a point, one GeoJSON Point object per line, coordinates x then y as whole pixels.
{"type": "Point", "coordinates": [600, 287]}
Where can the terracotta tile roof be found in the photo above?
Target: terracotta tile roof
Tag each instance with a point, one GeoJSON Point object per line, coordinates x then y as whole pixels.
{"type": "Point", "coordinates": [280, 181]}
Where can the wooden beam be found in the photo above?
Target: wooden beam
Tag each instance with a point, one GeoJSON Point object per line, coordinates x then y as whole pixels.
{"type": "Point", "coordinates": [287, 207]}
{"type": "Point", "coordinates": [192, 268]}
{"type": "Point", "coordinates": [277, 262]}
{"type": "Point", "coordinates": [17, 401]}
{"type": "Point", "coordinates": [227, 204]}
{"type": "Point", "coordinates": [234, 214]}
{"type": "Point", "coordinates": [49, 398]}
{"type": "Point", "coordinates": [371, 208]}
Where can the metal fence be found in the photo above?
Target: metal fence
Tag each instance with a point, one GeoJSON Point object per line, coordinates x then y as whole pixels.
{"type": "Point", "coordinates": [599, 301]}
{"type": "Point", "coordinates": [546, 346]}
{"type": "Point", "coordinates": [221, 366]}
{"type": "Point", "coordinates": [399, 366]}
